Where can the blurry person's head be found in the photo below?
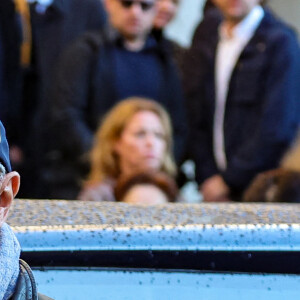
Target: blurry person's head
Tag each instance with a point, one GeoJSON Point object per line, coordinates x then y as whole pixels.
{"type": "Point", "coordinates": [132, 18]}
{"type": "Point", "coordinates": [236, 10]}
{"type": "Point", "coordinates": [135, 135]}
{"type": "Point", "coordinates": [9, 181]}
{"type": "Point", "coordinates": [166, 11]}
{"type": "Point", "coordinates": [277, 185]}
{"type": "Point", "coordinates": [146, 194]}
{"type": "Point", "coordinates": [149, 188]}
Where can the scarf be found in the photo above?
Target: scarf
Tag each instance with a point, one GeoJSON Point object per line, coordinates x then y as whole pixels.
{"type": "Point", "coordinates": [9, 261]}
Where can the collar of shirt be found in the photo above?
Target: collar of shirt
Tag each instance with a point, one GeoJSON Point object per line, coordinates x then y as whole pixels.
{"type": "Point", "coordinates": [41, 2]}
{"type": "Point", "coordinates": [245, 29]}
{"type": "Point", "coordinates": [41, 6]}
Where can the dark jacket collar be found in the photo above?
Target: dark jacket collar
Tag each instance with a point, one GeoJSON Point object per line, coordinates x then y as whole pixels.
{"type": "Point", "coordinates": [57, 8]}
{"type": "Point", "coordinates": [114, 36]}
{"type": "Point", "coordinates": [60, 6]}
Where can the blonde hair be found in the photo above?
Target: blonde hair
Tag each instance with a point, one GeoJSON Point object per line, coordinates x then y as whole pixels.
{"type": "Point", "coordinates": [104, 161]}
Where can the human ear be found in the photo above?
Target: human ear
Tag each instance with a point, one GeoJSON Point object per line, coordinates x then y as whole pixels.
{"type": "Point", "coordinates": [9, 188]}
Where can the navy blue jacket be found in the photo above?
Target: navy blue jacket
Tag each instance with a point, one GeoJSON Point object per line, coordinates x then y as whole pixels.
{"type": "Point", "coordinates": [262, 111]}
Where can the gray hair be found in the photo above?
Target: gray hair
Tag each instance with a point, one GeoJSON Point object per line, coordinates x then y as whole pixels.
{"type": "Point", "coordinates": [2, 171]}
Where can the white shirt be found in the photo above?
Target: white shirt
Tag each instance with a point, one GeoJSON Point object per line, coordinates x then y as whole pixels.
{"type": "Point", "coordinates": [42, 2]}
{"type": "Point", "coordinates": [228, 51]}
{"type": "Point", "coordinates": [42, 5]}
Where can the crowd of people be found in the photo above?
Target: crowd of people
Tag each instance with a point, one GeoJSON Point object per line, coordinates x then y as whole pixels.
{"type": "Point", "coordinates": [98, 104]}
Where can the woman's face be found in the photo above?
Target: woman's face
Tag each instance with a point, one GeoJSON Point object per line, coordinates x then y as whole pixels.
{"type": "Point", "coordinates": [142, 145]}
{"type": "Point", "coordinates": [166, 10]}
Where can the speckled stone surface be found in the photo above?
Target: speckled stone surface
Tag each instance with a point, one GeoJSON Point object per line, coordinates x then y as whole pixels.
{"type": "Point", "coordinates": [49, 225]}
{"type": "Point", "coordinates": [58, 212]}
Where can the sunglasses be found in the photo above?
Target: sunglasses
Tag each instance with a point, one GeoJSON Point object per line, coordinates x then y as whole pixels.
{"type": "Point", "coordinates": [144, 5]}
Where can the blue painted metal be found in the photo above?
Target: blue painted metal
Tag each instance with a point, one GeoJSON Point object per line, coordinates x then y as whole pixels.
{"type": "Point", "coordinates": [190, 237]}
{"type": "Point", "coordinates": [136, 285]}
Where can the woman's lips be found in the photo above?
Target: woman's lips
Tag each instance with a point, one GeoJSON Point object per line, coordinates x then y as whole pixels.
{"type": "Point", "coordinates": [150, 156]}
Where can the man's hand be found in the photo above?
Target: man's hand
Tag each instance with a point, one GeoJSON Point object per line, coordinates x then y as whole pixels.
{"type": "Point", "coordinates": [214, 189]}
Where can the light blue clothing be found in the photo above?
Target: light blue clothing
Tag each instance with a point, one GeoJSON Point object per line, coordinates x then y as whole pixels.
{"type": "Point", "coordinates": [9, 261]}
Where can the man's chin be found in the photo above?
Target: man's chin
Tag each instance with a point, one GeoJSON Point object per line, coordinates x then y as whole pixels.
{"type": "Point", "coordinates": [236, 18]}
{"type": "Point", "coordinates": [236, 14]}
{"type": "Point", "coordinates": [133, 36]}
{"type": "Point", "coordinates": [134, 31]}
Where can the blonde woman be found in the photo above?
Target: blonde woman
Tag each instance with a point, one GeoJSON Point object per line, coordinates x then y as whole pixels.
{"type": "Point", "coordinates": [135, 136]}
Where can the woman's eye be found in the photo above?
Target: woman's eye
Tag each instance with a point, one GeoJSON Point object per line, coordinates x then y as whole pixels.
{"type": "Point", "coordinates": [139, 134]}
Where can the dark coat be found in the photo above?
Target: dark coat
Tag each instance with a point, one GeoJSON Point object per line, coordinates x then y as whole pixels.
{"type": "Point", "coordinates": [177, 52]}
{"type": "Point", "coordinates": [10, 93]}
{"type": "Point", "coordinates": [263, 104]}
{"type": "Point", "coordinates": [52, 32]}
{"type": "Point", "coordinates": [85, 91]}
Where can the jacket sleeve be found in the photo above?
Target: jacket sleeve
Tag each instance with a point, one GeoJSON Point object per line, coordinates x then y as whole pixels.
{"type": "Point", "coordinates": [70, 100]}
{"type": "Point", "coordinates": [97, 17]}
{"type": "Point", "coordinates": [11, 40]}
{"type": "Point", "coordinates": [171, 94]}
{"type": "Point", "coordinates": [278, 124]}
{"type": "Point", "coordinates": [176, 109]}
{"type": "Point", "coordinates": [199, 145]}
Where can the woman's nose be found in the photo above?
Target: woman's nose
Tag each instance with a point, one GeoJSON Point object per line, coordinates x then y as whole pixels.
{"type": "Point", "coordinates": [150, 140]}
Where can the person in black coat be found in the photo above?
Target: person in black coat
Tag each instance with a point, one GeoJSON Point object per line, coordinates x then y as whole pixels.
{"type": "Point", "coordinates": [262, 108]}
{"type": "Point", "coordinates": [53, 28]}
{"type": "Point", "coordinates": [96, 72]}
{"type": "Point", "coordinates": [10, 69]}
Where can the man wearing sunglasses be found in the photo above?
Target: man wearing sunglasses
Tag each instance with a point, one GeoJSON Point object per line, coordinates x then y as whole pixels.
{"type": "Point", "coordinates": [16, 278]}
{"type": "Point", "coordinates": [95, 73]}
